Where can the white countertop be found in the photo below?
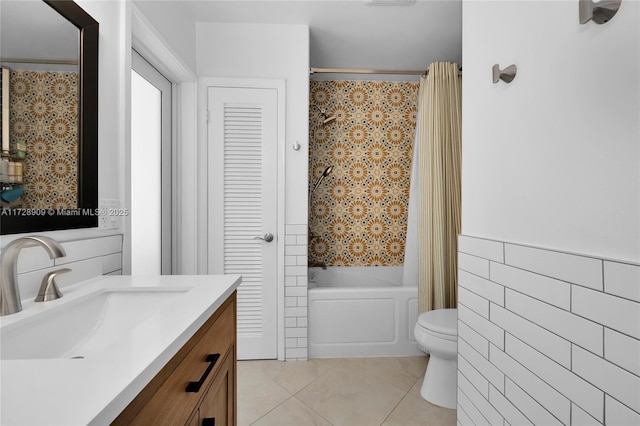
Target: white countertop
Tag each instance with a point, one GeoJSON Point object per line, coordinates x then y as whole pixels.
{"type": "Point", "coordinates": [96, 389]}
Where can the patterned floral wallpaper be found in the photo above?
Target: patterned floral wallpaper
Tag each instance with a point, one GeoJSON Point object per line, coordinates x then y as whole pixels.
{"type": "Point", "coordinates": [44, 113]}
{"type": "Point", "coordinates": [358, 214]}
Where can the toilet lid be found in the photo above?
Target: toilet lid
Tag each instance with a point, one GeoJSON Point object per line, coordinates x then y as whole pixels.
{"type": "Point", "coordinates": [443, 321]}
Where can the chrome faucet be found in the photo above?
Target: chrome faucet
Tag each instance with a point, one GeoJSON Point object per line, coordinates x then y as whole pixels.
{"type": "Point", "coordinates": [9, 291]}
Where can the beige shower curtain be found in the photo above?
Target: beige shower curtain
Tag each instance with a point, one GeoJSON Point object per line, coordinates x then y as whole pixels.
{"type": "Point", "coordinates": [439, 201]}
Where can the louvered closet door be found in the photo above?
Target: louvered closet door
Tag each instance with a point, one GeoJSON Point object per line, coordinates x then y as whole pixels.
{"type": "Point", "coordinates": [242, 136]}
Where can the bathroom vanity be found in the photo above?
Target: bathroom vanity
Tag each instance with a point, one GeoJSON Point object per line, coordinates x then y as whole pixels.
{"type": "Point", "coordinates": [123, 350]}
{"type": "Point", "coordinates": [197, 387]}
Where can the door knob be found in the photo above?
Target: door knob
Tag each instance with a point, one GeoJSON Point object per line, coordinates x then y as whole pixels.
{"type": "Point", "coordinates": [268, 237]}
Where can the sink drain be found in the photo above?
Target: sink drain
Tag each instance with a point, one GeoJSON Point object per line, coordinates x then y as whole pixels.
{"type": "Point", "coordinates": [77, 357]}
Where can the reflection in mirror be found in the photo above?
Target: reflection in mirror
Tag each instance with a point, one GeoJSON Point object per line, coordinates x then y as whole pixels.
{"type": "Point", "coordinates": [49, 116]}
{"type": "Point", "coordinates": [40, 154]}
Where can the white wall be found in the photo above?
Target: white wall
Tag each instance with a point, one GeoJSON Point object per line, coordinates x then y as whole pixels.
{"type": "Point", "coordinates": [551, 169]}
{"type": "Point", "coordinates": [267, 51]}
{"type": "Point", "coordinates": [552, 159]}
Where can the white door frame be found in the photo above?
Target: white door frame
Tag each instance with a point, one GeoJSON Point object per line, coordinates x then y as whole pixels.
{"type": "Point", "coordinates": [146, 40]}
{"type": "Point", "coordinates": [280, 87]}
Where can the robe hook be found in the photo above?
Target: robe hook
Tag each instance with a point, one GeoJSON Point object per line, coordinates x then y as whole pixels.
{"type": "Point", "coordinates": [507, 75]}
{"type": "Point", "coordinates": [599, 12]}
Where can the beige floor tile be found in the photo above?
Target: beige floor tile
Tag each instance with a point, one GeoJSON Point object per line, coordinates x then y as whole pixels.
{"type": "Point", "coordinates": [295, 375]}
{"type": "Point", "coordinates": [349, 395]}
{"type": "Point", "coordinates": [258, 366]}
{"type": "Point", "coordinates": [402, 372]}
{"type": "Point", "coordinates": [416, 411]}
{"type": "Point", "coordinates": [415, 390]}
{"type": "Point", "coordinates": [348, 391]}
{"type": "Point", "coordinates": [292, 412]}
{"type": "Point", "coordinates": [257, 393]}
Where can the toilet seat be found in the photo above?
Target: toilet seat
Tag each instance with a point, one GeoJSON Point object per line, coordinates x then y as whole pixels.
{"type": "Point", "coordinates": [440, 322]}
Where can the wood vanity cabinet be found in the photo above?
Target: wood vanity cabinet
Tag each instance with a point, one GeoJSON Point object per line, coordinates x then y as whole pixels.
{"type": "Point", "coordinates": [198, 385]}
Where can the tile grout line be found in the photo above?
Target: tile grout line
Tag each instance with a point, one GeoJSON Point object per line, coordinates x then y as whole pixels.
{"type": "Point", "coordinates": [267, 413]}
{"type": "Point", "coordinates": [396, 406]}
{"type": "Point", "coordinates": [293, 395]}
{"type": "Point", "coordinates": [277, 405]}
{"type": "Point", "coordinates": [312, 410]}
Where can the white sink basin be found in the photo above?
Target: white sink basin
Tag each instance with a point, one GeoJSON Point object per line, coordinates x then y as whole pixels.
{"type": "Point", "coordinates": [85, 326]}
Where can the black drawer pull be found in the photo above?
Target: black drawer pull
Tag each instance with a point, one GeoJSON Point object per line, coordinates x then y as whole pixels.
{"type": "Point", "coordinates": [195, 386]}
{"type": "Point", "coordinates": [209, 421]}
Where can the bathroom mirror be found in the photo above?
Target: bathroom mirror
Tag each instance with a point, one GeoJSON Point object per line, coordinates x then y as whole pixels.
{"type": "Point", "coordinates": [36, 37]}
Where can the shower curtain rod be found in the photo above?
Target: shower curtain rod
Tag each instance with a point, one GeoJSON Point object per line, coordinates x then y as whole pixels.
{"type": "Point", "coordinates": [39, 61]}
{"type": "Point", "coordinates": [364, 71]}
{"type": "Point", "coordinates": [369, 71]}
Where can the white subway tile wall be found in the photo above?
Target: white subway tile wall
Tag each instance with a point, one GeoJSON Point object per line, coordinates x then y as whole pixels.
{"type": "Point", "coordinates": [581, 270]}
{"type": "Point", "coordinates": [622, 350]}
{"type": "Point", "coordinates": [618, 414]}
{"type": "Point", "coordinates": [560, 343]}
{"type": "Point", "coordinates": [475, 265]}
{"type": "Point", "coordinates": [622, 280]}
{"type": "Point", "coordinates": [485, 408]}
{"type": "Point", "coordinates": [511, 414]}
{"type": "Point", "coordinates": [295, 292]}
{"type": "Point", "coordinates": [531, 408]}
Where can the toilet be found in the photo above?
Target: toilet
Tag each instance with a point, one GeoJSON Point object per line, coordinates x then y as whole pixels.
{"type": "Point", "coordinates": [437, 334]}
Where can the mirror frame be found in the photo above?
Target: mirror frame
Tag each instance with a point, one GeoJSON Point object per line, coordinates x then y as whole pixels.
{"type": "Point", "coordinates": [85, 216]}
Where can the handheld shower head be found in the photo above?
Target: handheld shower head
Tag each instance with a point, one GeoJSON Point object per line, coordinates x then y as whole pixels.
{"type": "Point", "coordinates": [325, 118]}
{"type": "Point", "coordinates": [329, 120]}
{"type": "Point", "coordinates": [325, 173]}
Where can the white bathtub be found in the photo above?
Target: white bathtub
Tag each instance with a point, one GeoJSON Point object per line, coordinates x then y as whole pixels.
{"type": "Point", "coordinates": [361, 312]}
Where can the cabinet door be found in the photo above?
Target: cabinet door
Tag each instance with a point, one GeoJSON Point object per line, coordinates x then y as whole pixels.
{"type": "Point", "coordinates": [193, 421]}
{"type": "Point", "coordinates": [217, 406]}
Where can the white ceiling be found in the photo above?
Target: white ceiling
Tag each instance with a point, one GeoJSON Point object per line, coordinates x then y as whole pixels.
{"type": "Point", "coordinates": [344, 34]}
{"type": "Point", "coordinates": [32, 30]}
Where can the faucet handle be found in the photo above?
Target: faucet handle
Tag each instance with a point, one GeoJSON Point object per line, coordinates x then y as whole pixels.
{"type": "Point", "coordinates": [49, 289]}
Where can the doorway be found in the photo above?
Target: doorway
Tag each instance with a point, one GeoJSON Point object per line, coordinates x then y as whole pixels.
{"type": "Point", "coordinates": [150, 169]}
{"type": "Point", "coordinates": [243, 133]}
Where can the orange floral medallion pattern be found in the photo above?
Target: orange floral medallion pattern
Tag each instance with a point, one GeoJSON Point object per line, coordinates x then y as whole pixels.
{"type": "Point", "coordinates": [44, 114]}
{"type": "Point", "coordinates": [358, 213]}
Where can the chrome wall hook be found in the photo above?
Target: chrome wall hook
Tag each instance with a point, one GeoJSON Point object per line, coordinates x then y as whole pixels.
{"type": "Point", "coordinates": [507, 75]}
{"type": "Point", "coordinates": [600, 12]}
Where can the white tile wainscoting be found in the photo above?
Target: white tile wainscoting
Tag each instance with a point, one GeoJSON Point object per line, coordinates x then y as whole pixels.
{"type": "Point", "coordinates": [295, 292]}
{"type": "Point", "coordinates": [546, 337]}
{"type": "Point", "coordinates": [87, 258]}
